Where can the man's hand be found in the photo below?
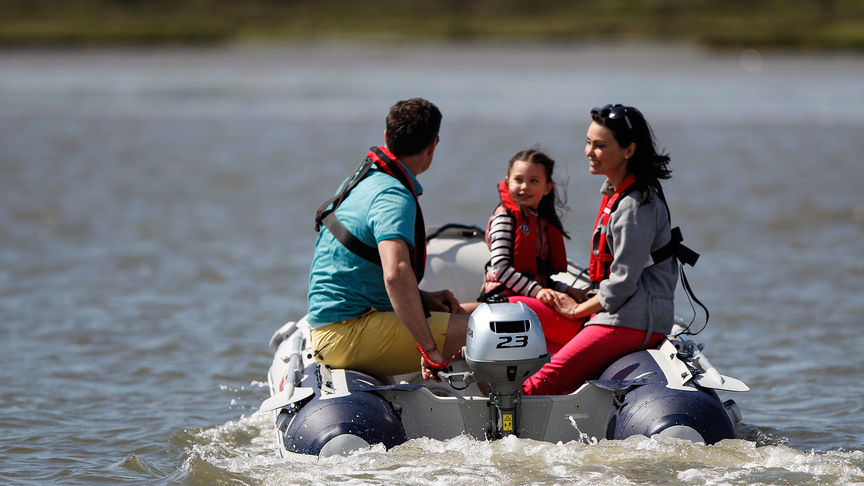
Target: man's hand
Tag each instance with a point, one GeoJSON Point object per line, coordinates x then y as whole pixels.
{"type": "Point", "coordinates": [427, 371]}
{"type": "Point", "coordinates": [432, 363]}
{"type": "Point", "coordinates": [440, 301]}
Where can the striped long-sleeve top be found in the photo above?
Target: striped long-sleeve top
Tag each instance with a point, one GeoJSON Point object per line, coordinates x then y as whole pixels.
{"type": "Point", "coordinates": [500, 236]}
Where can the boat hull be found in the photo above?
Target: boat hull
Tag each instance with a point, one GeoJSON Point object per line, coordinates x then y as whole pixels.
{"type": "Point", "coordinates": [328, 425]}
{"type": "Point", "coordinates": [668, 391]}
{"type": "Point", "coordinates": [656, 408]}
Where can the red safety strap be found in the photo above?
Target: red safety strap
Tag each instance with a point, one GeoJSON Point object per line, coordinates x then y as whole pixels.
{"type": "Point", "coordinates": [598, 265]}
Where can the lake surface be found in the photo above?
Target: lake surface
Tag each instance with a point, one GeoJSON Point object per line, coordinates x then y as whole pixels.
{"type": "Point", "coordinates": [156, 227]}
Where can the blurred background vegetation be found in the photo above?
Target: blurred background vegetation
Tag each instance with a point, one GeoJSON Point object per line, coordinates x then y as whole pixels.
{"type": "Point", "coordinates": [782, 24]}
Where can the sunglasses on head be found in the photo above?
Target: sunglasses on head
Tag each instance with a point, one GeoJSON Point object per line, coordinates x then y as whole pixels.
{"type": "Point", "coordinates": [614, 112]}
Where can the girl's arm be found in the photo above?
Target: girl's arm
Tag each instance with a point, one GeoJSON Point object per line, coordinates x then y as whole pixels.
{"type": "Point", "coordinates": [501, 262]}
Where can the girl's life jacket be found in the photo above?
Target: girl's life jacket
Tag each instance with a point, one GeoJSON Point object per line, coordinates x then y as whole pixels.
{"type": "Point", "coordinates": [525, 257]}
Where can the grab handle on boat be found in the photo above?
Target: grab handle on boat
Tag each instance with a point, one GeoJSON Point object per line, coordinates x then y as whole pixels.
{"type": "Point", "coordinates": [283, 332]}
{"type": "Point", "coordinates": [464, 378]}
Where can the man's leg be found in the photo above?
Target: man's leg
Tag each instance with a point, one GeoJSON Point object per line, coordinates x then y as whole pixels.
{"type": "Point", "coordinates": [457, 327]}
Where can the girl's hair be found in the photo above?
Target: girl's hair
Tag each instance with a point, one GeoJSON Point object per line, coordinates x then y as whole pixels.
{"type": "Point", "coordinates": [548, 204]}
{"type": "Point", "coordinates": [629, 125]}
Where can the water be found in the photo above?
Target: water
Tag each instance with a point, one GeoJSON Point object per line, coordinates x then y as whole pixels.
{"type": "Point", "coordinates": [155, 229]}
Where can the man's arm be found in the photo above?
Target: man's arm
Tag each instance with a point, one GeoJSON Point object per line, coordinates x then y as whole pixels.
{"type": "Point", "coordinates": [401, 285]}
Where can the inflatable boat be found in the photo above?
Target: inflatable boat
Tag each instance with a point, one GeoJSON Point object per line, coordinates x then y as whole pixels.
{"type": "Point", "coordinates": [671, 390]}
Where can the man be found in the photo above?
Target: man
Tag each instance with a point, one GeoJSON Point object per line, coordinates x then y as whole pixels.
{"type": "Point", "coordinates": [366, 311]}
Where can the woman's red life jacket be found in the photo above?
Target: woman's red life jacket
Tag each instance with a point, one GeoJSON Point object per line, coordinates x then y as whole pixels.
{"type": "Point", "coordinates": [601, 256]}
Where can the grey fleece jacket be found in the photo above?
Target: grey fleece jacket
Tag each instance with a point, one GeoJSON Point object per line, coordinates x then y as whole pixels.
{"type": "Point", "coordinates": [638, 294]}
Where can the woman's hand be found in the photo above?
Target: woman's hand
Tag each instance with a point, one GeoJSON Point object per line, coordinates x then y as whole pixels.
{"type": "Point", "coordinates": [577, 294]}
{"type": "Point", "coordinates": [560, 302]}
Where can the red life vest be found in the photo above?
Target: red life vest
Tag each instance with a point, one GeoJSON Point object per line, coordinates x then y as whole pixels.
{"type": "Point", "coordinates": [601, 257]}
{"type": "Point", "coordinates": [525, 251]}
{"type": "Point", "coordinates": [389, 164]}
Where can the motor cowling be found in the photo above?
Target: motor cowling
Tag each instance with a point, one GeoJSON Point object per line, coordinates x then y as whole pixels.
{"type": "Point", "coordinates": [504, 345]}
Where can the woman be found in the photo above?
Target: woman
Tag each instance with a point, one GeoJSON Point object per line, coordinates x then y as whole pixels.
{"type": "Point", "coordinates": [631, 304]}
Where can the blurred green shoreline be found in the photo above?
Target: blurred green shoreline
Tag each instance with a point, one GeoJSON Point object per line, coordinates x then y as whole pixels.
{"type": "Point", "coordinates": [718, 24]}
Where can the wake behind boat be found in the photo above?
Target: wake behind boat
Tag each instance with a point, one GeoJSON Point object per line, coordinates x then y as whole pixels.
{"type": "Point", "coordinates": [668, 391]}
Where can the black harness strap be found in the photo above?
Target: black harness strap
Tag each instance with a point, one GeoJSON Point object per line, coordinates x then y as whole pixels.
{"type": "Point", "coordinates": [350, 241]}
{"type": "Point", "coordinates": [325, 209]}
{"type": "Point", "coordinates": [672, 249]}
{"type": "Point", "coordinates": [326, 214]}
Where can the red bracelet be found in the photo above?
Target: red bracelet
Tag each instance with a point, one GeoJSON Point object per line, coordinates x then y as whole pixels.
{"type": "Point", "coordinates": [433, 364]}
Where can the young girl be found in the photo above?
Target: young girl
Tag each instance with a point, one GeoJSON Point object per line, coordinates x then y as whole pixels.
{"type": "Point", "coordinates": [526, 241]}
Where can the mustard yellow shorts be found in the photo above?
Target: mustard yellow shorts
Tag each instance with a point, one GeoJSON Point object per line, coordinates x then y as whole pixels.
{"type": "Point", "coordinates": [376, 343]}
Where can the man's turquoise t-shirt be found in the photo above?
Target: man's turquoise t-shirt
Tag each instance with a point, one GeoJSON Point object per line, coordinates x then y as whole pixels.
{"type": "Point", "coordinates": [343, 285]}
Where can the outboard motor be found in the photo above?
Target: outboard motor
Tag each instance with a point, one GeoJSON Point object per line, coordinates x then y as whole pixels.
{"type": "Point", "coordinates": [504, 346]}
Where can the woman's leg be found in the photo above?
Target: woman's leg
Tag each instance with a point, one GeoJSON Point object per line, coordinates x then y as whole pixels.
{"type": "Point", "coordinates": [587, 354]}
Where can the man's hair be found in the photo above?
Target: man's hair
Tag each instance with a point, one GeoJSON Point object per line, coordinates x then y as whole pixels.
{"type": "Point", "coordinates": [411, 126]}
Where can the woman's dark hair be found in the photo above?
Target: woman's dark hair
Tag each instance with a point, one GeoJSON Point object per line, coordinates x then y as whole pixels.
{"type": "Point", "coordinates": [548, 204]}
{"type": "Point", "coordinates": [411, 126]}
{"type": "Point", "coordinates": [629, 125]}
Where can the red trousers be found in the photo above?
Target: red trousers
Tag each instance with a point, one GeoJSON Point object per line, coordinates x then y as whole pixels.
{"type": "Point", "coordinates": [583, 354]}
{"type": "Point", "coordinates": [557, 329]}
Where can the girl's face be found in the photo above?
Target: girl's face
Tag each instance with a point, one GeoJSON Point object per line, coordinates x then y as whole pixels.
{"type": "Point", "coordinates": [605, 156]}
{"type": "Point", "coordinates": [527, 183]}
